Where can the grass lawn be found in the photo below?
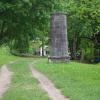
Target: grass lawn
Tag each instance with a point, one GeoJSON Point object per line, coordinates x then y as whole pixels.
{"type": "Point", "coordinates": [75, 80]}
{"type": "Point", "coordinates": [5, 56]}
{"type": "Point", "coordinates": [23, 85]}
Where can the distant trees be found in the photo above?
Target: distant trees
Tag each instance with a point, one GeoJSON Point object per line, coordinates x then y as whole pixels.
{"type": "Point", "coordinates": [19, 20]}
{"type": "Point", "coordinates": [83, 23]}
{"type": "Point", "coordinates": [16, 19]}
{"type": "Point", "coordinates": [24, 20]}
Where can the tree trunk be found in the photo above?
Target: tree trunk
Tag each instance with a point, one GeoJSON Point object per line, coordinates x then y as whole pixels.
{"type": "Point", "coordinates": [42, 47]}
{"type": "Point", "coordinates": [82, 55]}
{"type": "Point", "coordinates": [2, 31]}
{"type": "Point", "coordinates": [74, 46]}
{"type": "Point", "coordinates": [2, 27]}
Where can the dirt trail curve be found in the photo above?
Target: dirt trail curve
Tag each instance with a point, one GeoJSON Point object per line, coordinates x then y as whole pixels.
{"type": "Point", "coordinates": [47, 85]}
{"type": "Point", "coordinates": [5, 78]}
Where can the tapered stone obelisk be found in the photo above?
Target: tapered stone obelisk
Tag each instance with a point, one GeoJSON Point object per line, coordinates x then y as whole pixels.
{"type": "Point", "coordinates": [58, 38]}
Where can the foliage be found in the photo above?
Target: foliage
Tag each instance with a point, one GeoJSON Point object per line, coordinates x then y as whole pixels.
{"type": "Point", "coordinates": [5, 56]}
{"type": "Point", "coordinates": [25, 20]}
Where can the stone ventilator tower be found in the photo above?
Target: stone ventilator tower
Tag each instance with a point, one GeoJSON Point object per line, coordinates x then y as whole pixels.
{"type": "Point", "coordinates": [58, 38]}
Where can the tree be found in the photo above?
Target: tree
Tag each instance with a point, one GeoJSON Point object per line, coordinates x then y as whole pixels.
{"type": "Point", "coordinates": [24, 20]}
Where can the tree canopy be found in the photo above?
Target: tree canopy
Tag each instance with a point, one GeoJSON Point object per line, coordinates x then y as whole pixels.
{"type": "Point", "coordinates": [24, 20]}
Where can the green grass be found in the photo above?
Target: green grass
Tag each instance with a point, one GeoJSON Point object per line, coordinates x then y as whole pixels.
{"type": "Point", "coordinates": [23, 85]}
{"type": "Point", "coordinates": [75, 80]}
{"type": "Point", "coordinates": [5, 56]}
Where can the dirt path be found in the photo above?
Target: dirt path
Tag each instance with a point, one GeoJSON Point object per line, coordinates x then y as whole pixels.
{"type": "Point", "coordinates": [47, 85]}
{"type": "Point", "coordinates": [5, 78]}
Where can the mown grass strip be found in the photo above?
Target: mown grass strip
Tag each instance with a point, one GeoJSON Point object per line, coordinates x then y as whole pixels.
{"type": "Point", "coordinates": [23, 86]}
{"type": "Point", "coordinates": [76, 80]}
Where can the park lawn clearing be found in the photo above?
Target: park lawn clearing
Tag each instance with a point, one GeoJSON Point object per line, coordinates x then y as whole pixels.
{"type": "Point", "coordinates": [23, 85]}
{"type": "Point", "coordinates": [6, 57]}
{"type": "Point", "coordinates": [76, 80]}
